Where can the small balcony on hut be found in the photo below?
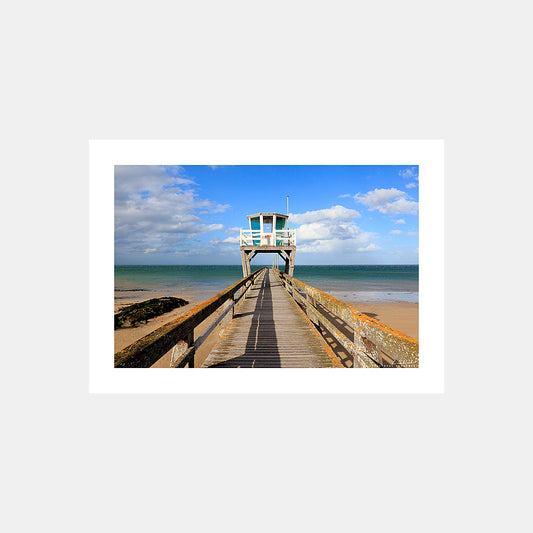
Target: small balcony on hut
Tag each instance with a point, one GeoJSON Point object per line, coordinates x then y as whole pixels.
{"type": "Point", "coordinates": [268, 229]}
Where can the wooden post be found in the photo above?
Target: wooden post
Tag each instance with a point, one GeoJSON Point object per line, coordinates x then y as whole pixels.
{"type": "Point", "coordinates": [291, 267]}
{"type": "Point", "coordinates": [190, 342]}
{"type": "Point", "coordinates": [180, 351]}
{"type": "Point", "coordinates": [244, 260]}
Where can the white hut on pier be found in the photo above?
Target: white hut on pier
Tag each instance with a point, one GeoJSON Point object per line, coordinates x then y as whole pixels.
{"type": "Point", "coordinates": [268, 233]}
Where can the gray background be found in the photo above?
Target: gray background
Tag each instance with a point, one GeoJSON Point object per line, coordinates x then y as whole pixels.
{"type": "Point", "coordinates": [76, 71]}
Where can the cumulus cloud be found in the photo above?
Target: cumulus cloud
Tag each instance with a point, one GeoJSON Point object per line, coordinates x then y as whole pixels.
{"type": "Point", "coordinates": [331, 230]}
{"type": "Point", "coordinates": [388, 201]}
{"type": "Point", "coordinates": [322, 230]}
{"type": "Point", "coordinates": [399, 221]}
{"type": "Point", "coordinates": [335, 247]}
{"type": "Point", "coordinates": [131, 180]}
{"type": "Point", "coordinates": [156, 210]}
{"type": "Point", "coordinates": [233, 230]}
{"type": "Point", "coordinates": [336, 213]}
{"type": "Point", "coordinates": [410, 185]}
{"type": "Point", "coordinates": [396, 232]}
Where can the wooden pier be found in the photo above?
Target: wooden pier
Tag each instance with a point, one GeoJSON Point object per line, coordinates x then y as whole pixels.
{"type": "Point", "coordinates": [271, 319]}
{"type": "Point", "coordinates": [270, 330]}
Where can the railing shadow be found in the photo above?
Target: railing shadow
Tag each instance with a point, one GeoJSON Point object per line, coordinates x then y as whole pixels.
{"type": "Point", "coordinates": [368, 341]}
{"type": "Point", "coordinates": [261, 350]}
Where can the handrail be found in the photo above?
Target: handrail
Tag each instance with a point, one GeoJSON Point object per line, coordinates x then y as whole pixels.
{"type": "Point", "coordinates": [144, 352]}
{"type": "Point", "coordinates": [256, 237]}
{"type": "Point", "coordinates": [373, 344]}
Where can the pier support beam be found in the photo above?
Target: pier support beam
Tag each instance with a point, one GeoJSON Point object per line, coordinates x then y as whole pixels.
{"type": "Point", "coordinates": [287, 253]}
{"type": "Point", "coordinates": [291, 263]}
{"type": "Point", "coordinates": [288, 257]}
{"type": "Point", "coordinates": [246, 269]}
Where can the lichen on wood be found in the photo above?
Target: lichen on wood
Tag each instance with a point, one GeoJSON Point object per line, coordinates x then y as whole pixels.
{"type": "Point", "coordinates": [138, 313]}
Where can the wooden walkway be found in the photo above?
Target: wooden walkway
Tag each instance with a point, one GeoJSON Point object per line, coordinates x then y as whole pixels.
{"type": "Point", "coordinates": [270, 330]}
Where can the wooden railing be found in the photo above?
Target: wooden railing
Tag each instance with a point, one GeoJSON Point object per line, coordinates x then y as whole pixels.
{"type": "Point", "coordinates": [369, 342]}
{"type": "Point", "coordinates": [178, 335]}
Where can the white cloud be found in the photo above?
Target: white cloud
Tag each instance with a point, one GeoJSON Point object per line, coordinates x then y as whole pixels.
{"type": "Point", "coordinates": [326, 231]}
{"type": "Point", "coordinates": [331, 231]}
{"type": "Point", "coordinates": [396, 232]}
{"type": "Point", "coordinates": [399, 221]}
{"type": "Point", "coordinates": [226, 242]}
{"type": "Point", "coordinates": [388, 201]}
{"type": "Point", "coordinates": [156, 210]}
{"type": "Point", "coordinates": [370, 248]}
{"type": "Point", "coordinates": [232, 240]}
{"type": "Point", "coordinates": [412, 233]}
{"type": "Point", "coordinates": [410, 185]}
{"type": "Point", "coordinates": [233, 230]}
{"type": "Point", "coordinates": [340, 247]}
{"type": "Point", "coordinates": [336, 213]}
{"type": "Point", "coordinates": [409, 173]}
{"type": "Point", "coordinates": [147, 179]}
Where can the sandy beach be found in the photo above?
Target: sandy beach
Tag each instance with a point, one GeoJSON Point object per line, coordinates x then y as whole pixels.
{"type": "Point", "coordinates": [125, 336]}
{"type": "Point", "coordinates": [402, 316]}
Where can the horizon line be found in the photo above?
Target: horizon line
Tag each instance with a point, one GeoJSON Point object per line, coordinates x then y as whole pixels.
{"type": "Point", "coordinates": [265, 264]}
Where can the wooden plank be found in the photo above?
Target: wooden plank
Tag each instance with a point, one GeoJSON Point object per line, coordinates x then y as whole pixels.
{"type": "Point", "coordinates": [181, 355]}
{"type": "Point", "coordinates": [371, 336]}
{"type": "Point", "coordinates": [146, 351]}
{"type": "Point", "coordinates": [270, 330]}
{"type": "Point", "coordinates": [362, 359]}
{"type": "Point", "coordinates": [200, 340]}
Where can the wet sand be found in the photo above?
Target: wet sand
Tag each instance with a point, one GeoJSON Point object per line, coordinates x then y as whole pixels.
{"type": "Point", "coordinates": [402, 316]}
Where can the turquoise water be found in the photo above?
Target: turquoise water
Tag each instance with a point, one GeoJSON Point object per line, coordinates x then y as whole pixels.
{"type": "Point", "coordinates": [354, 283]}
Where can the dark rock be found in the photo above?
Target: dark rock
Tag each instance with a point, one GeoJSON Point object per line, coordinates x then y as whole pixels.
{"type": "Point", "coordinates": [134, 314]}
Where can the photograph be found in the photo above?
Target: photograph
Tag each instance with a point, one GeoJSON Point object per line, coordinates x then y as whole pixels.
{"type": "Point", "coordinates": [266, 266]}
{"type": "Point", "coordinates": [253, 252]}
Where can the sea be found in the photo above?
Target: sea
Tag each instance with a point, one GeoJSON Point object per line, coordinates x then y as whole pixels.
{"type": "Point", "coordinates": [351, 283]}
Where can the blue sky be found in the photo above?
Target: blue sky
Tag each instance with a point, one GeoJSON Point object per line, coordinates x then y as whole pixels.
{"type": "Point", "coordinates": [192, 214]}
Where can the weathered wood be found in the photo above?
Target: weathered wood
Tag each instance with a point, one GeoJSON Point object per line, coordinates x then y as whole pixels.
{"type": "Point", "coordinates": [319, 319]}
{"type": "Point", "coordinates": [245, 264]}
{"type": "Point", "coordinates": [371, 337]}
{"type": "Point", "coordinates": [270, 330]}
{"type": "Point", "coordinates": [146, 351]}
{"type": "Point", "coordinates": [291, 263]}
{"type": "Point", "coordinates": [225, 315]}
{"type": "Point", "coordinates": [182, 355]}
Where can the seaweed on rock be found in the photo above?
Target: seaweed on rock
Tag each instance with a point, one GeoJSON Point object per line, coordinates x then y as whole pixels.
{"type": "Point", "coordinates": [134, 314]}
